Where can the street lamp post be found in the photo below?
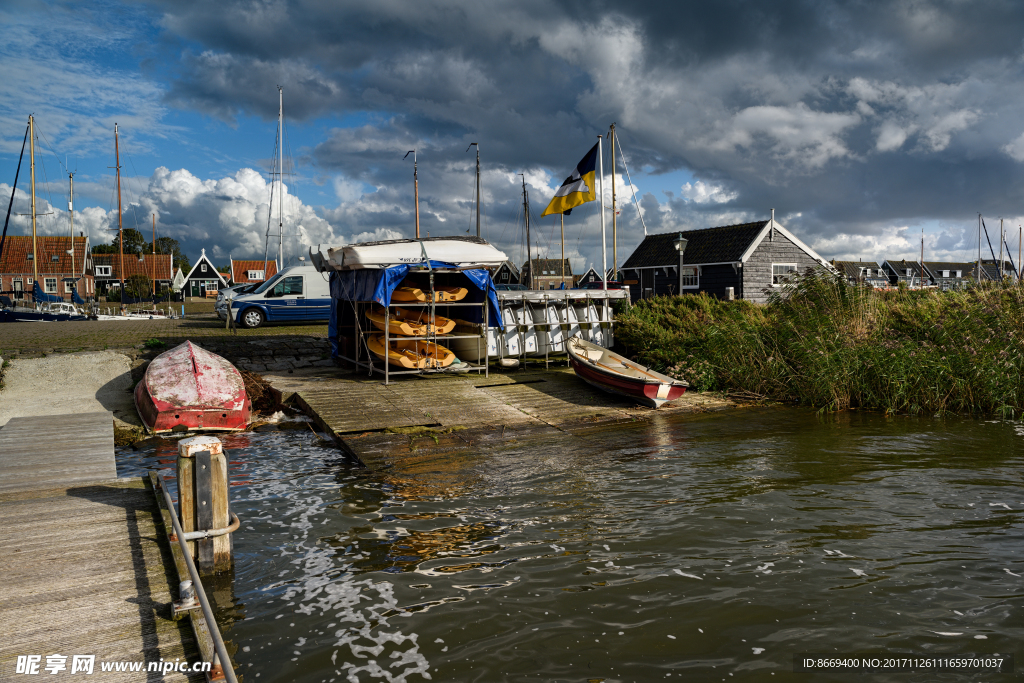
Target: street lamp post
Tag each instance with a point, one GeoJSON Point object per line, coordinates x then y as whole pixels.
{"type": "Point", "coordinates": [680, 245]}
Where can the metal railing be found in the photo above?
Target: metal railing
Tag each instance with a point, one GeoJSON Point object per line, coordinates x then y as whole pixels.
{"type": "Point", "coordinates": [218, 641]}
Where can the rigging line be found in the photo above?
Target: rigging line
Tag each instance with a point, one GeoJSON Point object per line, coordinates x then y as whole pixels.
{"type": "Point", "coordinates": [622, 156]}
{"type": "Point", "coordinates": [47, 142]}
{"type": "Point", "coordinates": [14, 191]}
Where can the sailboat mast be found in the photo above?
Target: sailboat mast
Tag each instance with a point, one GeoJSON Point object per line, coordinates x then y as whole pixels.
{"type": "Point", "coordinates": [154, 258]}
{"type": "Point", "coordinates": [922, 257]}
{"type": "Point", "coordinates": [562, 216]}
{"type": "Point", "coordinates": [477, 188]}
{"type": "Point", "coordinates": [416, 191]}
{"type": "Point", "coordinates": [71, 214]}
{"type": "Point", "coordinates": [1000, 249]}
{"type": "Point", "coordinates": [120, 230]}
{"type": "Point", "coordinates": [604, 238]}
{"type": "Point", "coordinates": [979, 248]}
{"type": "Point", "coordinates": [526, 213]}
{"type": "Point", "coordinates": [280, 177]}
{"type": "Point", "coordinates": [32, 159]}
{"type": "Point", "coordinates": [615, 233]}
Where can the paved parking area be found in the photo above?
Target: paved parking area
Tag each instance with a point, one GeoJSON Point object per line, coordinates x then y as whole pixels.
{"type": "Point", "coordinates": [92, 335]}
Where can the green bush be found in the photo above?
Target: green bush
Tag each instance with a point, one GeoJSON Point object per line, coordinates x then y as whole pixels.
{"type": "Point", "coordinates": [824, 343]}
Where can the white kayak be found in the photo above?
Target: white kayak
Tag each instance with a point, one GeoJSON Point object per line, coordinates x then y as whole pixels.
{"type": "Point", "coordinates": [464, 252]}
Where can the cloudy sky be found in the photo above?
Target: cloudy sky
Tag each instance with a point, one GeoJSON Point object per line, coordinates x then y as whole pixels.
{"type": "Point", "coordinates": [862, 123]}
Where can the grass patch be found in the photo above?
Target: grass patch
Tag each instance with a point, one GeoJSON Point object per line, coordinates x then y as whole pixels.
{"type": "Point", "coordinates": [833, 346]}
{"type": "Point", "coordinates": [153, 343]}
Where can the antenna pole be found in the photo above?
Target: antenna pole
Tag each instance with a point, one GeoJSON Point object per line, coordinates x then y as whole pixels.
{"type": "Point", "coordinates": [32, 158]}
{"type": "Point", "coordinates": [280, 177]}
{"type": "Point", "coordinates": [615, 233]}
{"type": "Point", "coordinates": [120, 228]}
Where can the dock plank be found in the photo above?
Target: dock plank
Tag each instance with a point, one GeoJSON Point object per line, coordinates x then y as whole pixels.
{"type": "Point", "coordinates": [56, 450]}
{"type": "Point", "coordinates": [85, 572]}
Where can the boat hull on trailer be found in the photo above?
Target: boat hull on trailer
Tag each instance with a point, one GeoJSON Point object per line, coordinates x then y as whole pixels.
{"type": "Point", "coordinates": [616, 374]}
{"type": "Point", "coordinates": [190, 389]}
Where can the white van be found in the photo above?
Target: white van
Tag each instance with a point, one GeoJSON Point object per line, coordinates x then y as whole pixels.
{"type": "Point", "coordinates": [297, 294]}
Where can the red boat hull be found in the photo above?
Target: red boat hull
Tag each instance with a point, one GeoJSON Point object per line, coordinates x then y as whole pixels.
{"type": "Point", "coordinates": [191, 389]}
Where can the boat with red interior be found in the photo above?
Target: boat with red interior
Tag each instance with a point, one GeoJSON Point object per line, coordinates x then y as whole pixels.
{"type": "Point", "coordinates": [616, 374]}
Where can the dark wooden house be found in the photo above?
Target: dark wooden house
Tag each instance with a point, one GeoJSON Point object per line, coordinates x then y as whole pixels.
{"type": "Point", "coordinates": [748, 259]}
{"type": "Point", "coordinates": [950, 275]}
{"type": "Point", "coordinates": [506, 274]}
{"type": "Point", "coordinates": [203, 278]}
{"type": "Point", "coordinates": [906, 272]}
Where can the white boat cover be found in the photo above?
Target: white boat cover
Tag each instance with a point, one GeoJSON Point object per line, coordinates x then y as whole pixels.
{"type": "Point", "coordinates": [462, 252]}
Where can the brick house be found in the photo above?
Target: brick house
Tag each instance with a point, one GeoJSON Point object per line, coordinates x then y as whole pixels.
{"type": "Point", "coordinates": [546, 273]}
{"type": "Point", "coordinates": [108, 269]}
{"type": "Point", "coordinates": [750, 258]}
{"type": "Point", "coordinates": [245, 272]}
{"type": "Point", "coordinates": [56, 276]}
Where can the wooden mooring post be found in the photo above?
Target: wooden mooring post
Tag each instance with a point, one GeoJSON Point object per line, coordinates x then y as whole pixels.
{"type": "Point", "coordinates": [203, 500]}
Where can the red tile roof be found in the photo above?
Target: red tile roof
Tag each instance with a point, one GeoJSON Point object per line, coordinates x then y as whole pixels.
{"type": "Point", "coordinates": [17, 247]}
{"type": "Point", "coordinates": [239, 270]}
{"type": "Point", "coordinates": [158, 263]}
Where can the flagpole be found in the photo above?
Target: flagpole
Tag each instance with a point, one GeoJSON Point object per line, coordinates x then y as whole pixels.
{"type": "Point", "coordinates": [604, 238]}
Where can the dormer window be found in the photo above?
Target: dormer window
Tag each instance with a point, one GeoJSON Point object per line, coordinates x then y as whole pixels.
{"type": "Point", "coordinates": [55, 258]}
{"type": "Point", "coordinates": [28, 256]}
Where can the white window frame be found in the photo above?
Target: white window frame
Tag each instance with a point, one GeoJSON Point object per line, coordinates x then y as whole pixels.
{"type": "Point", "coordinates": [945, 273]}
{"type": "Point", "coordinates": [48, 287]}
{"type": "Point", "coordinates": [793, 269]}
{"type": "Point", "coordinates": [254, 275]}
{"type": "Point", "coordinates": [104, 271]}
{"type": "Point", "coordinates": [691, 280]}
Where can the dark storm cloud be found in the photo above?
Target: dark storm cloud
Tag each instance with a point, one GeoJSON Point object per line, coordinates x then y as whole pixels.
{"type": "Point", "coordinates": [848, 117]}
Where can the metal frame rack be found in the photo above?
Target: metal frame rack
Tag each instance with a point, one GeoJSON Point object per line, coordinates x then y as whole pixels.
{"type": "Point", "coordinates": [370, 365]}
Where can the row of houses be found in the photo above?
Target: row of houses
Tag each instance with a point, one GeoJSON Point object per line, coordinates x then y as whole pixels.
{"type": "Point", "coordinates": [64, 264]}
{"type": "Point", "coordinates": [942, 274]}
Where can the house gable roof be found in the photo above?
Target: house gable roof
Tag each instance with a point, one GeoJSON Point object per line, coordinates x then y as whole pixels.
{"type": "Point", "coordinates": [723, 244]}
{"type": "Point", "coordinates": [239, 270]}
{"type": "Point", "coordinates": [18, 247]}
{"type": "Point", "coordinates": [552, 265]}
{"type": "Point", "coordinates": [153, 263]}
{"type": "Point", "coordinates": [854, 269]}
{"type": "Point", "coordinates": [900, 267]}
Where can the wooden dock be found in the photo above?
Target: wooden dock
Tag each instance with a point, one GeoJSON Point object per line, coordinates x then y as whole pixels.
{"type": "Point", "coordinates": [462, 412]}
{"type": "Point", "coordinates": [84, 569]}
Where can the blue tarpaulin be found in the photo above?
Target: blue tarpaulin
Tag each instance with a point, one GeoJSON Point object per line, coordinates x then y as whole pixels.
{"type": "Point", "coordinates": [378, 285]}
{"type": "Point", "coordinates": [75, 298]}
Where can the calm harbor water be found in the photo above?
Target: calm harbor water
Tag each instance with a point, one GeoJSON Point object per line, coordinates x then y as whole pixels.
{"type": "Point", "coordinates": [701, 548]}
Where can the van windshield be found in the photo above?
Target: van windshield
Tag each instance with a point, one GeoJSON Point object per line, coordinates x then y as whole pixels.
{"type": "Point", "coordinates": [269, 283]}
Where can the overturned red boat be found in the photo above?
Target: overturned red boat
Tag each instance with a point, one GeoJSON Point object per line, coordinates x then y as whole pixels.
{"type": "Point", "coordinates": [189, 388]}
{"type": "Point", "coordinates": [616, 374]}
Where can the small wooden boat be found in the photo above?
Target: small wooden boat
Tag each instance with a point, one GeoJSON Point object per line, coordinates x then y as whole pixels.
{"type": "Point", "coordinates": [410, 323]}
{"type": "Point", "coordinates": [411, 354]}
{"type": "Point", "coordinates": [189, 388]}
{"type": "Point", "coordinates": [616, 374]}
{"type": "Point", "coordinates": [410, 292]}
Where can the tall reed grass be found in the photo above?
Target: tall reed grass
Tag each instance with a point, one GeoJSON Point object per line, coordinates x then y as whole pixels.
{"type": "Point", "coordinates": [822, 342]}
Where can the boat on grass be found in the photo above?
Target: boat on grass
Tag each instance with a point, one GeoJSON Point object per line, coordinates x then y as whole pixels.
{"type": "Point", "coordinates": [616, 374]}
{"type": "Point", "coordinates": [411, 354]}
{"type": "Point", "coordinates": [188, 388]}
{"type": "Point", "coordinates": [411, 323]}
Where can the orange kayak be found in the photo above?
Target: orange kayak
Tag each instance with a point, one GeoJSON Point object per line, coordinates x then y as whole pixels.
{"type": "Point", "coordinates": [411, 354]}
{"type": "Point", "coordinates": [410, 323]}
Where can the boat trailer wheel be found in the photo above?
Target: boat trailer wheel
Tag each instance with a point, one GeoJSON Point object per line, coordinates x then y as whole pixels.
{"type": "Point", "coordinates": [252, 317]}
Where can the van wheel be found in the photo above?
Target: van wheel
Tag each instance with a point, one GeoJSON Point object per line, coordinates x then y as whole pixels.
{"type": "Point", "coordinates": [253, 317]}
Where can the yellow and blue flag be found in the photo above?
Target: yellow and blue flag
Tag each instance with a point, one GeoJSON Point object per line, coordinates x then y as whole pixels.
{"type": "Point", "coordinates": [577, 188]}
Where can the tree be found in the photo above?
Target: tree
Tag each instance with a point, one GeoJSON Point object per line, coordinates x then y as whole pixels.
{"type": "Point", "coordinates": [168, 245]}
{"type": "Point", "coordinates": [138, 286]}
{"type": "Point", "coordinates": [104, 249]}
{"type": "Point", "coordinates": [134, 242]}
